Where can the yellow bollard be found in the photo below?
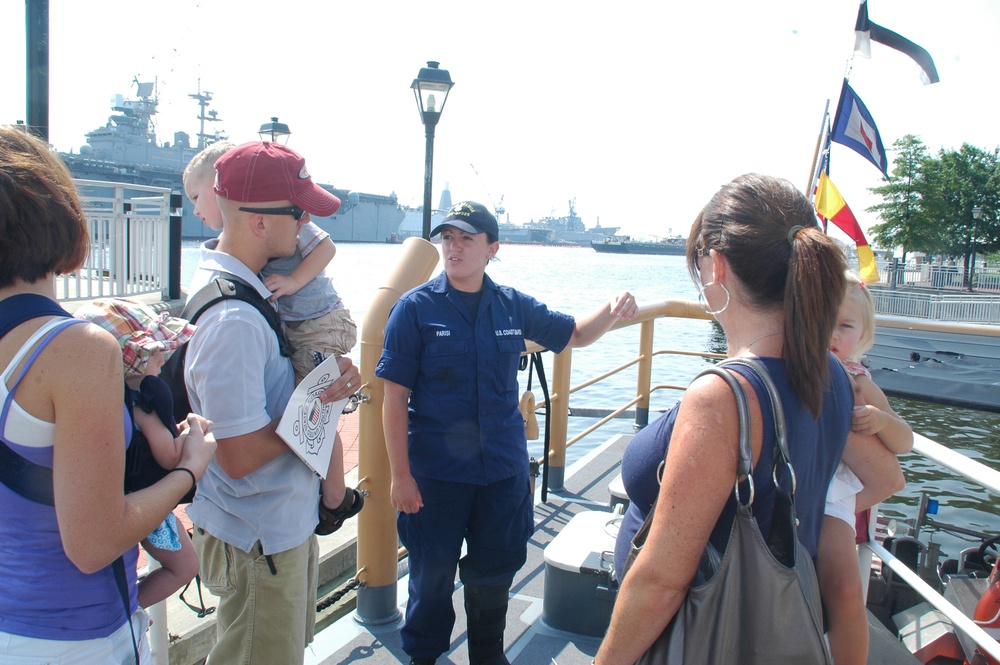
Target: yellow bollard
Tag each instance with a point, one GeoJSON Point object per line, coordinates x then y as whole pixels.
{"type": "Point", "coordinates": [377, 540]}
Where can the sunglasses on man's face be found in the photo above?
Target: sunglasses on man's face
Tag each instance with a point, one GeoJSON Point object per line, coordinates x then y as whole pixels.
{"type": "Point", "coordinates": [295, 211]}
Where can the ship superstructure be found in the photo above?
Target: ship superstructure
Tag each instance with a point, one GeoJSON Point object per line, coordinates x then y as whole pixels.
{"type": "Point", "coordinates": [556, 230]}
{"type": "Point", "coordinates": [128, 149]}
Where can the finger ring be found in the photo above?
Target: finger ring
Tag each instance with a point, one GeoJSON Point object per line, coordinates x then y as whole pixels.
{"type": "Point", "coordinates": [348, 384]}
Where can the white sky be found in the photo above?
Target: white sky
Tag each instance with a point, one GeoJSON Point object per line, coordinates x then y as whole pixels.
{"type": "Point", "coordinates": [637, 110]}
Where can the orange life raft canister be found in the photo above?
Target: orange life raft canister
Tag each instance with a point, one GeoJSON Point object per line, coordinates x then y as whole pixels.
{"type": "Point", "coordinates": [987, 616]}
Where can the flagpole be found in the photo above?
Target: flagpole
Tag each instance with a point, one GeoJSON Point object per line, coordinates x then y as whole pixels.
{"type": "Point", "coordinates": [819, 147]}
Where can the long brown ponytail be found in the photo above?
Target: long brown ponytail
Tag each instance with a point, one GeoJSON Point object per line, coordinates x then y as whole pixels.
{"type": "Point", "coordinates": [767, 230]}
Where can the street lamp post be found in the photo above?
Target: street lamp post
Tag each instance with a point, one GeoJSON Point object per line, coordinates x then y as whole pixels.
{"type": "Point", "coordinates": [977, 212]}
{"type": "Point", "coordinates": [274, 131]}
{"type": "Point", "coordinates": [430, 89]}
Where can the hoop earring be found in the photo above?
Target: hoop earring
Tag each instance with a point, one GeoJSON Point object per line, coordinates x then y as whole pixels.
{"type": "Point", "coordinates": [703, 301]}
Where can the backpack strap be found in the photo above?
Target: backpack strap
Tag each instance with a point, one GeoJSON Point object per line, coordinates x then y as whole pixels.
{"type": "Point", "coordinates": [227, 287]}
{"type": "Point", "coordinates": [22, 307]}
{"type": "Point", "coordinates": [231, 287]}
{"type": "Point", "coordinates": [21, 475]}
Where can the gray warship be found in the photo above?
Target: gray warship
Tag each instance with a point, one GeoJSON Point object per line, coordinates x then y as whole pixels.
{"type": "Point", "coordinates": [568, 230]}
{"type": "Point", "coordinates": [128, 149]}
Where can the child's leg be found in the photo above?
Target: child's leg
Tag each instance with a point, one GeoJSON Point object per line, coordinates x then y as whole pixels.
{"type": "Point", "coordinates": [334, 512]}
{"type": "Point", "coordinates": [333, 334]}
{"type": "Point", "coordinates": [314, 340]}
{"type": "Point", "coordinates": [178, 568]}
{"type": "Point", "coordinates": [840, 588]}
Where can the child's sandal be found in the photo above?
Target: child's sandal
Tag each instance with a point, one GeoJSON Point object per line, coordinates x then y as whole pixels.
{"type": "Point", "coordinates": [331, 520]}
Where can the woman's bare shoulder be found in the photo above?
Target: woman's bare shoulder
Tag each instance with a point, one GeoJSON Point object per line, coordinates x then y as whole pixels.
{"type": "Point", "coordinates": [86, 351]}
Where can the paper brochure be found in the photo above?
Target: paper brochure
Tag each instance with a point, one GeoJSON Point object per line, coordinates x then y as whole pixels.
{"type": "Point", "coordinates": [309, 426]}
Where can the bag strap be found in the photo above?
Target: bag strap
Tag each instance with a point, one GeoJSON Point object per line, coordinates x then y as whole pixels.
{"type": "Point", "coordinates": [231, 287]}
{"type": "Point", "coordinates": [744, 466]}
{"type": "Point", "coordinates": [121, 585]}
{"type": "Point", "coordinates": [781, 452]}
{"type": "Point", "coordinates": [536, 361]}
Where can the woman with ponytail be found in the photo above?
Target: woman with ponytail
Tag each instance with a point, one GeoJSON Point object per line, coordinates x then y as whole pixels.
{"type": "Point", "coordinates": [773, 281]}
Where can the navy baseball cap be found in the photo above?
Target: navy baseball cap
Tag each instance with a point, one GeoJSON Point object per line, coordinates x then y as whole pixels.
{"type": "Point", "coordinates": [470, 217]}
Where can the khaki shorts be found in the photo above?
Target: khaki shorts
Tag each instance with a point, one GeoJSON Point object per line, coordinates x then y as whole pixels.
{"type": "Point", "coordinates": [333, 334]}
{"type": "Point", "coordinates": [264, 617]}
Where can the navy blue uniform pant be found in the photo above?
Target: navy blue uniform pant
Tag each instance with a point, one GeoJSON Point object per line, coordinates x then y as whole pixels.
{"type": "Point", "coordinates": [495, 520]}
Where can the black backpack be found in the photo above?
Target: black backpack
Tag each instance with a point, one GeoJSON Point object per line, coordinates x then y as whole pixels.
{"type": "Point", "coordinates": [229, 287]}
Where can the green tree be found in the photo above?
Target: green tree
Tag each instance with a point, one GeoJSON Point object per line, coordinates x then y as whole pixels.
{"type": "Point", "coordinates": [904, 222]}
{"type": "Point", "coordinates": [957, 181]}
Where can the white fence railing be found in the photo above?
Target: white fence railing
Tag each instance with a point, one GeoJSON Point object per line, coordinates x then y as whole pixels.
{"type": "Point", "coordinates": [937, 276]}
{"type": "Point", "coordinates": [938, 305]}
{"type": "Point", "coordinates": [129, 236]}
{"type": "Point", "coordinates": [937, 292]}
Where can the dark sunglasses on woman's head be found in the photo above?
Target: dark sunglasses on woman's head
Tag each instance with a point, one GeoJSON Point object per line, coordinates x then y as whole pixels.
{"type": "Point", "coordinates": [295, 211]}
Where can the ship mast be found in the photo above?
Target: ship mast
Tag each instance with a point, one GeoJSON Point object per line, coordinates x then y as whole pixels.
{"type": "Point", "coordinates": [211, 116]}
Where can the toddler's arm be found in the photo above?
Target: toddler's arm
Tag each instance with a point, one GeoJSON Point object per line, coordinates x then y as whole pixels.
{"type": "Point", "coordinates": [165, 448]}
{"type": "Point", "coordinates": [312, 265]}
{"type": "Point", "coordinates": [875, 466]}
{"type": "Point", "coordinates": [877, 417]}
{"type": "Point", "coordinates": [871, 461]}
{"type": "Point", "coordinates": [153, 414]}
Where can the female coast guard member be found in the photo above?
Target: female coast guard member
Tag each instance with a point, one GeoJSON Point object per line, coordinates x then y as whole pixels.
{"type": "Point", "coordinates": [455, 438]}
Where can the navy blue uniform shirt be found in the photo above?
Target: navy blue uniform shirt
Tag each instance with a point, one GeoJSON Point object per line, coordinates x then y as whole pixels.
{"type": "Point", "coordinates": [464, 425]}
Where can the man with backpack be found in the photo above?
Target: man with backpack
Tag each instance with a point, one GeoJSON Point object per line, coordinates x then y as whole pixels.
{"type": "Point", "coordinates": [257, 505]}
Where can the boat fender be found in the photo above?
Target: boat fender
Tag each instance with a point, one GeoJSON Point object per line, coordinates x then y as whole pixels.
{"type": "Point", "coordinates": [987, 616]}
{"type": "Point", "coordinates": [527, 408]}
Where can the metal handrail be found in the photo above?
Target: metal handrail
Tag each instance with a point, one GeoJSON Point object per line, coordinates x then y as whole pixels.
{"type": "Point", "coordinates": [958, 463]}
{"type": "Point", "coordinates": [646, 316]}
{"type": "Point", "coordinates": [973, 471]}
{"type": "Point", "coordinates": [953, 461]}
{"type": "Point", "coordinates": [939, 602]}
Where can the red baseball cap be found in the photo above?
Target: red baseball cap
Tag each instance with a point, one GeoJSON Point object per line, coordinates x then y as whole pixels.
{"type": "Point", "coordinates": [262, 171]}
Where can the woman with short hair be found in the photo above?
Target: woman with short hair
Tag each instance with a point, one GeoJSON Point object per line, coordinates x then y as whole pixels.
{"type": "Point", "coordinates": [66, 519]}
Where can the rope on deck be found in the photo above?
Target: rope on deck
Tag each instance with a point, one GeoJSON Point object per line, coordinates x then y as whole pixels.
{"type": "Point", "coordinates": [351, 585]}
